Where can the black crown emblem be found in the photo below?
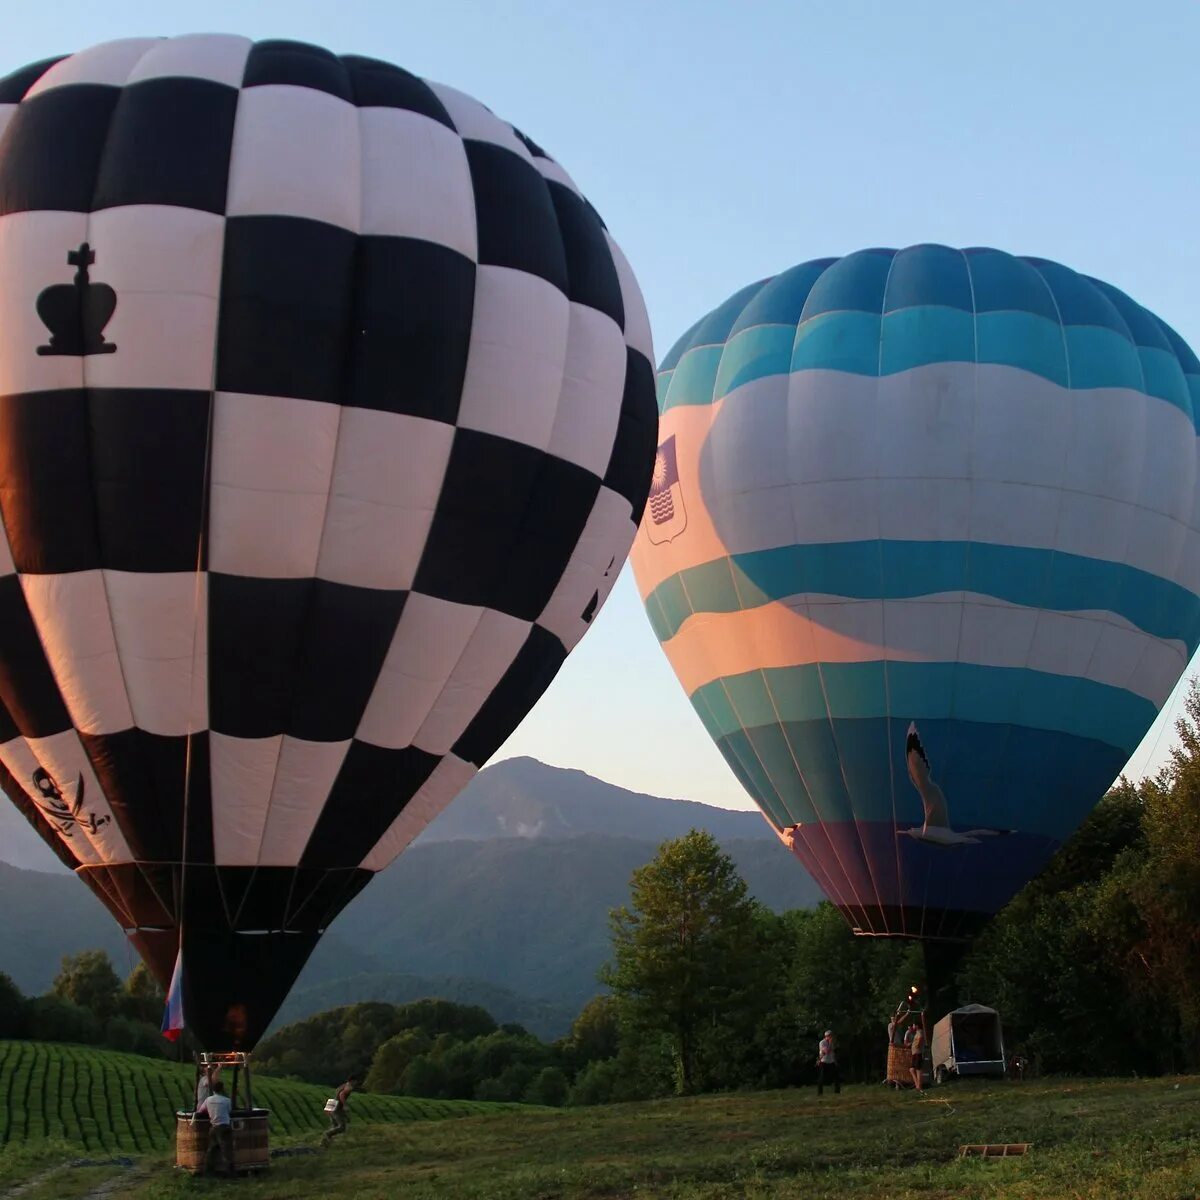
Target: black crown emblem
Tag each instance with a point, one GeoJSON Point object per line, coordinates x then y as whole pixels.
{"type": "Point", "coordinates": [77, 312]}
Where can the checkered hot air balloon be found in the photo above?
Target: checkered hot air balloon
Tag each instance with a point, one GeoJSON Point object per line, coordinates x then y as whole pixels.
{"type": "Point", "coordinates": [941, 566]}
{"type": "Point", "coordinates": [326, 420]}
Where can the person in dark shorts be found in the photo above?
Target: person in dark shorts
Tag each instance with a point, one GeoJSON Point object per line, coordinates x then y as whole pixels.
{"type": "Point", "coordinates": [918, 1057]}
{"type": "Point", "coordinates": [338, 1118]}
{"type": "Point", "coordinates": [827, 1065]}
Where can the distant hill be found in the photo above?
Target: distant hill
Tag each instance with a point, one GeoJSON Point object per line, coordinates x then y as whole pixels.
{"type": "Point", "coordinates": [521, 797]}
{"type": "Point", "coordinates": [509, 889]}
{"type": "Point", "coordinates": [546, 1020]}
{"type": "Point", "coordinates": [530, 915]}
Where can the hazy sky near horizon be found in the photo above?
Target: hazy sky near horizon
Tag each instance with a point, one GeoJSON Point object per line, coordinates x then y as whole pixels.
{"type": "Point", "coordinates": [724, 142]}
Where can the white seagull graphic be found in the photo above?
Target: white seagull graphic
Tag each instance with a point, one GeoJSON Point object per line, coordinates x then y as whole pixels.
{"type": "Point", "coordinates": [936, 827]}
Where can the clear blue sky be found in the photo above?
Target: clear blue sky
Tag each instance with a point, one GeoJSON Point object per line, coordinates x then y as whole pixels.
{"type": "Point", "coordinates": [724, 142]}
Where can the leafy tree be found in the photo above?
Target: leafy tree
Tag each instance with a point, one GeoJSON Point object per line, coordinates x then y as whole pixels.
{"type": "Point", "coordinates": [549, 1087]}
{"type": "Point", "coordinates": [55, 1019]}
{"type": "Point", "coordinates": [686, 956]}
{"type": "Point", "coordinates": [88, 979]}
{"type": "Point", "coordinates": [142, 998]}
{"type": "Point", "coordinates": [595, 1084]}
{"type": "Point", "coordinates": [134, 1037]}
{"type": "Point", "coordinates": [392, 1059]}
{"type": "Point", "coordinates": [596, 1031]}
{"type": "Point", "coordinates": [424, 1077]}
{"type": "Point", "coordinates": [14, 1010]}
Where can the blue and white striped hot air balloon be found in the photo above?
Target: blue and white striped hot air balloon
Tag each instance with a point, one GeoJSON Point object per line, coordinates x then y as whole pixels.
{"type": "Point", "coordinates": [923, 547]}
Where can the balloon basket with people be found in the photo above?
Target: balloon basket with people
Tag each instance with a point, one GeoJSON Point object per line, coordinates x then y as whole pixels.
{"type": "Point", "coordinates": [223, 1133]}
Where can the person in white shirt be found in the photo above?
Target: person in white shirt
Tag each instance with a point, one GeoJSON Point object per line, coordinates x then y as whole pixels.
{"type": "Point", "coordinates": [216, 1108]}
{"type": "Point", "coordinates": [827, 1066]}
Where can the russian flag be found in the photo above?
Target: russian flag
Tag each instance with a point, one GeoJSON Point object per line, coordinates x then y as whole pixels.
{"type": "Point", "coordinates": [172, 1022]}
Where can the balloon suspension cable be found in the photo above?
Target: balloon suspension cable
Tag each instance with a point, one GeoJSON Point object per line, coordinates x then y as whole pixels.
{"type": "Point", "coordinates": [198, 598]}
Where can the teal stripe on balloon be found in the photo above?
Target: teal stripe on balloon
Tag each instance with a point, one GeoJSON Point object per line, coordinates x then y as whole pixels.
{"type": "Point", "coordinates": [1076, 356]}
{"type": "Point", "coordinates": [1102, 358]}
{"type": "Point", "coordinates": [694, 378]}
{"type": "Point", "coordinates": [1023, 340]}
{"type": "Point", "coordinates": [924, 335]}
{"type": "Point", "coordinates": [1164, 378]}
{"type": "Point", "coordinates": [755, 354]}
{"type": "Point", "coordinates": [838, 341]}
{"type": "Point", "coordinates": [926, 691]}
{"type": "Point", "coordinates": [895, 570]}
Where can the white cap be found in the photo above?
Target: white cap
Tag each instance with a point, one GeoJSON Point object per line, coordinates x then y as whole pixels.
{"type": "Point", "coordinates": [829, 1033]}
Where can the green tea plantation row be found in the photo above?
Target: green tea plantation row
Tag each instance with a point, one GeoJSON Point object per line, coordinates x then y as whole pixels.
{"type": "Point", "coordinates": [110, 1101]}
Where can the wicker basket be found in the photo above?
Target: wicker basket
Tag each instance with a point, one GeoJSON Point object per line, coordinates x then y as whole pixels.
{"type": "Point", "coordinates": [251, 1141]}
{"type": "Point", "coordinates": [899, 1065]}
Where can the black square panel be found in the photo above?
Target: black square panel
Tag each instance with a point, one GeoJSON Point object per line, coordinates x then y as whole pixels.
{"type": "Point", "coordinates": [169, 143]}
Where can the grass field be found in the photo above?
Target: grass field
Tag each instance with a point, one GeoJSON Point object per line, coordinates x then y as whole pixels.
{"type": "Point", "coordinates": [105, 1102]}
{"type": "Point", "coordinates": [1092, 1140]}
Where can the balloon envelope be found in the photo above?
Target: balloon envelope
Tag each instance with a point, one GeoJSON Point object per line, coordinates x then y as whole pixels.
{"type": "Point", "coordinates": [921, 546]}
{"type": "Point", "coordinates": [326, 422]}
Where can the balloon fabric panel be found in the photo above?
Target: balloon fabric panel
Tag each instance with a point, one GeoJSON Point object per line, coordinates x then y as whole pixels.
{"type": "Point", "coordinates": [327, 420]}
{"type": "Point", "coordinates": [922, 547]}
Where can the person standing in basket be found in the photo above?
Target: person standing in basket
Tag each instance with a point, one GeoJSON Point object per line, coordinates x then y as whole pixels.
{"type": "Point", "coordinates": [338, 1118]}
{"type": "Point", "coordinates": [827, 1067]}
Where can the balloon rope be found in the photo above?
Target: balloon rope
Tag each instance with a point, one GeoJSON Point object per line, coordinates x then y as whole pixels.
{"type": "Point", "coordinates": [198, 597]}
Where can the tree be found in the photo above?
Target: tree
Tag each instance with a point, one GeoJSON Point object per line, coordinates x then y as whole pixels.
{"type": "Point", "coordinates": [142, 998]}
{"type": "Point", "coordinates": [392, 1058]}
{"type": "Point", "coordinates": [549, 1087]}
{"type": "Point", "coordinates": [686, 957]}
{"type": "Point", "coordinates": [88, 979]}
{"type": "Point", "coordinates": [14, 1010]}
{"type": "Point", "coordinates": [596, 1031]}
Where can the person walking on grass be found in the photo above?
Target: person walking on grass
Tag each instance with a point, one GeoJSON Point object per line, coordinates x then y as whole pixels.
{"type": "Point", "coordinates": [827, 1065]}
{"type": "Point", "coordinates": [220, 1132]}
{"type": "Point", "coordinates": [338, 1118]}
{"type": "Point", "coordinates": [917, 1067]}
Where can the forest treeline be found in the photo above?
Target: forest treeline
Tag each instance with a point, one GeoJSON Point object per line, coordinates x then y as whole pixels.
{"type": "Point", "coordinates": [1094, 968]}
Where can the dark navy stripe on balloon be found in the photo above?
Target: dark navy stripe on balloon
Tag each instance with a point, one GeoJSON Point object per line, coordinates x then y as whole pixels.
{"type": "Point", "coordinates": [896, 570]}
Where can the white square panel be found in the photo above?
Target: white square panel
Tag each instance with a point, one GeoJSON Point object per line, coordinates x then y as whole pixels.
{"type": "Point", "coordinates": [109, 62]}
{"type": "Point", "coordinates": [295, 154]}
{"type": "Point", "coordinates": [219, 57]}
{"type": "Point", "coordinates": [243, 775]}
{"type": "Point", "coordinates": [33, 256]}
{"type": "Point", "coordinates": [272, 465]}
{"type": "Point", "coordinates": [416, 181]}
{"type": "Point", "coordinates": [161, 624]}
{"type": "Point", "coordinates": [64, 758]}
{"type": "Point", "coordinates": [430, 638]}
{"type": "Point", "coordinates": [494, 645]}
{"type": "Point", "coordinates": [589, 404]}
{"type": "Point", "coordinates": [473, 120]}
{"type": "Point", "coordinates": [72, 619]}
{"type": "Point", "coordinates": [387, 478]}
{"type": "Point", "coordinates": [637, 320]}
{"type": "Point", "coordinates": [516, 357]}
{"type": "Point", "coordinates": [304, 778]}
